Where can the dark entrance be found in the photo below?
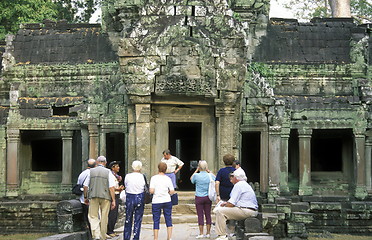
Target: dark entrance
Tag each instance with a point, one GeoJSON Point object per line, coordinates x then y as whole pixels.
{"type": "Point", "coordinates": [115, 150]}
{"type": "Point", "coordinates": [185, 143]}
{"type": "Point", "coordinates": [250, 162]}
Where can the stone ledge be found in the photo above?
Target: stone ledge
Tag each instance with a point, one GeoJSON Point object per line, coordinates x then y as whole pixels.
{"type": "Point", "coordinates": [67, 236]}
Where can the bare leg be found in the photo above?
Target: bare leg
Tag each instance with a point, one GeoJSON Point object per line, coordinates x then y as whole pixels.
{"type": "Point", "coordinates": [156, 234]}
{"type": "Point", "coordinates": [169, 233]}
{"type": "Point", "coordinates": [201, 229]}
{"type": "Point", "coordinates": [208, 229]}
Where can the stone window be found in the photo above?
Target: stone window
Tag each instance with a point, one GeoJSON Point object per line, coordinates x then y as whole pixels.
{"type": "Point", "coordinates": [330, 150]}
{"type": "Point", "coordinates": [42, 150]}
{"type": "Point", "coordinates": [47, 155]}
{"type": "Point", "coordinates": [61, 111]}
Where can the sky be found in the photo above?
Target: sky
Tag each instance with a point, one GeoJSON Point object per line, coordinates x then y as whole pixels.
{"type": "Point", "coordinates": [276, 11]}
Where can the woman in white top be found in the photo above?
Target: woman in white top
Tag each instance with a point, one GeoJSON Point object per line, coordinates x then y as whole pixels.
{"type": "Point", "coordinates": [162, 188]}
{"type": "Point", "coordinates": [135, 204]}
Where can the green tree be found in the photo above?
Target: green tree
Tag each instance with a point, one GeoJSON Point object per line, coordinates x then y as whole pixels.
{"type": "Point", "coordinates": [16, 12]}
{"type": "Point", "coordinates": [361, 10]}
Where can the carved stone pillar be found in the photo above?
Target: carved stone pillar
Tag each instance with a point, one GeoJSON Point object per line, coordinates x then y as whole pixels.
{"type": "Point", "coordinates": [102, 143]}
{"type": "Point", "coordinates": [12, 171]}
{"type": "Point", "coordinates": [66, 156]}
{"type": "Point", "coordinates": [143, 136]}
{"type": "Point", "coordinates": [284, 163]}
{"type": "Point", "coordinates": [360, 165]}
{"type": "Point", "coordinates": [225, 132]}
{"type": "Point", "coordinates": [305, 162]}
{"type": "Point", "coordinates": [264, 162]}
{"type": "Point", "coordinates": [274, 155]}
{"type": "Point", "coordinates": [368, 163]}
{"type": "Point", "coordinates": [93, 140]}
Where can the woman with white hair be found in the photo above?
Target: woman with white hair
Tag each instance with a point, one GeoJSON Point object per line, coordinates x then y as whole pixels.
{"type": "Point", "coordinates": [135, 204]}
{"type": "Point", "coordinates": [201, 178]}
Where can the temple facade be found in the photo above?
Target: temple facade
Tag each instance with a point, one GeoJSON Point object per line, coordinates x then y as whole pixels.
{"type": "Point", "coordinates": [292, 101]}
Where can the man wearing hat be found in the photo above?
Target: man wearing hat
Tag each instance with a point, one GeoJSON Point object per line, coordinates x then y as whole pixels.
{"type": "Point", "coordinates": [113, 214]}
{"type": "Point", "coordinates": [241, 205]}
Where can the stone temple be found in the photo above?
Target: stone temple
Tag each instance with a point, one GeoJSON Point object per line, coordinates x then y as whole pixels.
{"type": "Point", "coordinates": [291, 100]}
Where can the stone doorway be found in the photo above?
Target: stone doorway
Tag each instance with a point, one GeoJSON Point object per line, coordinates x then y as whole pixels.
{"type": "Point", "coordinates": [185, 143]}
{"type": "Point", "coordinates": [115, 150]}
{"type": "Point", "coordinates": [251, 154]}
{"type": "Point", "coordinates": [195, 126]}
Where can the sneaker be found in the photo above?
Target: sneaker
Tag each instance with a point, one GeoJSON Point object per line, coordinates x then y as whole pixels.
{"type": "Point", "coordinates": [199, 236]}
{"type": "Point", "coordinates": [108, 236]}
{"type": "Point", "coordinates": [223, 237]}
{"type": "Point", "coordinates": [207, 236]}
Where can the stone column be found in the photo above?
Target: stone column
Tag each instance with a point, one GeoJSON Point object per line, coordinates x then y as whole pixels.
{"type": "Point", "coordinates": [368, 163]}
{"type": "Point", "coordinates": [274, 155]}
{"type": "Point", "coordinates": [264, 161]}
{"type": "Point", "coordinates": [225, 132]}
{"type": "Point", "coordinates": [66, 156]}
{"type": "Point", "coordinates": [102, 143]}
{"type": "Point", "coordinates": [12, 171]}
{"type": "Point", "coordinates": [360, 165]}
{"type": "Point", "coordinates": [93, 140]}
{"type": "Point", "coordinates": [305, 162]}
{"type": "Point", "coordinates": [143, 136]}
{"type": "Point", "coordinates": [274, 163]}
{"type": "Point", "coordinates": [284, 162]}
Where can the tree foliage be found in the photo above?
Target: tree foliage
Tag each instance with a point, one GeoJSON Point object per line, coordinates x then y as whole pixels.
{"type": "Point", "coordinates": [16, 12]}
{"type": "Point", "coordinates": [361, 10]}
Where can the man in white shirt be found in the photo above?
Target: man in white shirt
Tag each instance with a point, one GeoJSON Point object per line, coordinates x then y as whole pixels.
{"type": "Point", "coordinates": [241, 205]}
{"type": "Point", "coordinates": [81, 179]}
{"type": "Point", "coordinates": [174, 165]}
{"type": "Point", "coordinates": [101, 185]}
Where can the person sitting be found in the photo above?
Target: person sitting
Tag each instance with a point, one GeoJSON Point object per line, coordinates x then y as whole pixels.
{"type": "Point", "coordinates": [241, 205]}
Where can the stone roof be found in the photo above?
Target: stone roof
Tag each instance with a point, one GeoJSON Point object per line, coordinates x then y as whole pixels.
{"type": "Point", "coordinates": [323, 40]}
{"type": "Point", "coordinates": [60, 42]}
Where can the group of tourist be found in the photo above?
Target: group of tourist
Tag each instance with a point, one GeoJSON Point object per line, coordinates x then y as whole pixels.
{"type": "Point", "coordinates": [235, 198]}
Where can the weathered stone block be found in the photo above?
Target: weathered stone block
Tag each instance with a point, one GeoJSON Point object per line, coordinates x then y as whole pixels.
{"type": "Point", "coordinates": [302, 217]}
{"type": "Point", "coordinates": [281, 208]}
{"type": "Point", "coordinates": [283, 200]}
{"type": "Point", "coordinates": [296, 229]}
{"type": "Point", "coordinates": [300, 207]}
{"type": "Point", "coordinates": [325, 206]}
{"type": "Point", "coordinates": [249, 236]}
{"type": "Point", "coordinates": [269, 208]}
{"type": "Point", "coordinates": [252, 225]}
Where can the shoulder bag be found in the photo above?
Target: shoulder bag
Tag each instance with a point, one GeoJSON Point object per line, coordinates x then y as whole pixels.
{"type": "Point", "coordinates": [212, 189]}
{"type": "Point", "coordinates": [148, 195]}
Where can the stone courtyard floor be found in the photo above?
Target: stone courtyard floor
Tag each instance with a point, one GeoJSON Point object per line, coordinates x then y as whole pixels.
{"type": "Point", "coordinates": [183, 231]}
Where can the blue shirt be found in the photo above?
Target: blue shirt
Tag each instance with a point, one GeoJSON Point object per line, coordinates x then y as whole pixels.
{"type": "Point", "coordinates": [201, 180]}
{"type": "Point", "coordinates": [223, 176]}
{"type": "Point", "coordinates": [242, 195]}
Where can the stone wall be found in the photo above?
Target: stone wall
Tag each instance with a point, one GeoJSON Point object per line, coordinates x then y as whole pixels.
{"type": "Point", "coordinates": [28, 216]}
